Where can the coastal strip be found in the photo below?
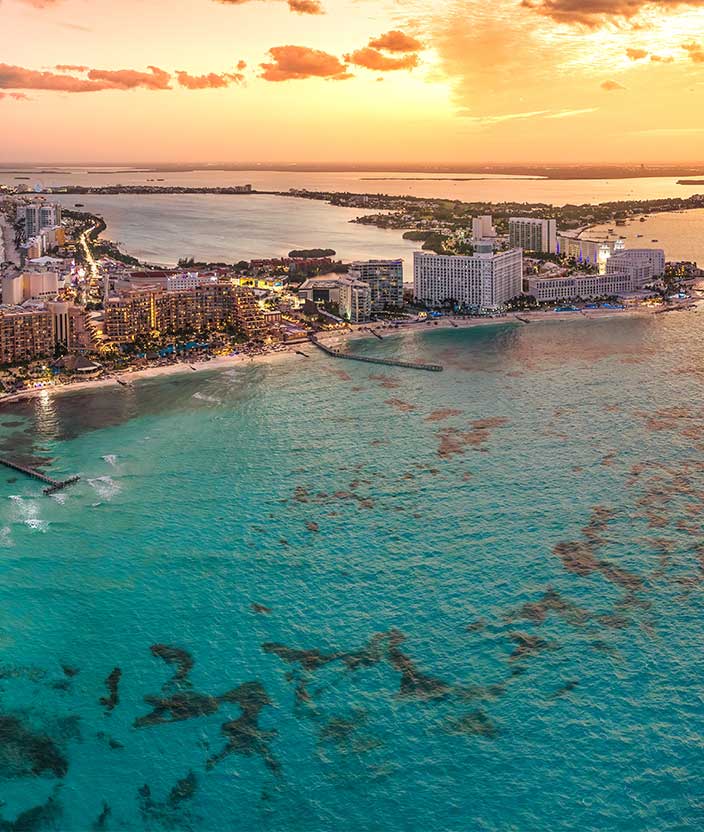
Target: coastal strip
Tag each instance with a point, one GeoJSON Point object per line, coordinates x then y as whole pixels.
{"type": "Point", "coordinates": [333, 340]}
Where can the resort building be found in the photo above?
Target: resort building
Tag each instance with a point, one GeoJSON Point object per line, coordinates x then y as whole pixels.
{"type": "Point", "coordinates": [385, 279]}
{"type": "Point", "coordinates": [17, 289]}
{"type": "Point", "coordinates": [590, 252]}
{"type": "Point", "coordinates": [188, 280]}
{"type": "Point", "coordinates": [533, 234]}
{"type": "Point", "coordinates": [71, 327]}
{"type": "Point", "coordinates": [486, 280]}
{"type": "Point", "coordinates": [483, 228]}
{"type": "Point", "coordinates": [320, 290]}
{"type": "Point", "coordinates": [355, 300]}
{"type": "Point", "coordinates": [642, 264]}
{"type": "Point", "coordinates": [39, 215]}
{"type": "Point", "coordinates": [547, 289]}
{"type": "Point", "coordinates": [25, 334]}
{"type": "Point", "coordinates": [209, 308]}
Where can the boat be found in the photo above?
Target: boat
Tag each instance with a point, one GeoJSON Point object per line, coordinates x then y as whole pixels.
{"type": "Point", "coordinates": [79, 205]}
{"type": "Point", "coordinates": [655, 241]}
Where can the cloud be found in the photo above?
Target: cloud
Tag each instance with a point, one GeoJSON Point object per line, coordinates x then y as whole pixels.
{"type": "Point", "coordinates": [373, 59]}
{"type": "Point", "coordinates": [695, 52]}
{"type": "Point", "coordinates": [395, 41]}
{"type": "Point", "coordinates": [40, 4]}
{"type": "Point", "coordinates": [662, 59]}
{"type": "Point", "coordinates": [636, 54]}
{"type": "Point", "coordinates": [14, 96]}
{"type": "Point", "coordinates": [19, 78]}
{"type": "Point", "coordinates": [211, 81]}
{"type": "Point", "coordinates": [612, 86]}
{"type": "Point", "coordinates": [98, 80]}
{"type": "Point", "coordinates": [593, 13]}
{"type": "Point", "coordinates": [298, 6]}
{"type": "Point", "coordinates": [129, 79]}
{"type": "Point", "coordinates": [290, 63]}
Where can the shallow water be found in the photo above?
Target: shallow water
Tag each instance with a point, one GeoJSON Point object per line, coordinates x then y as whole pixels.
{"type": "Point", "coordinates": [365, 598]}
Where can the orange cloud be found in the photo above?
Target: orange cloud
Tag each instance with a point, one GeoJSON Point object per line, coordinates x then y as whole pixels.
{"type": "Point", "coordinates": [593, 13]}
{"type": "Point", "coordinates": [19, 78]}
{"type": "Point", "coordinates": [298, 6]}
{"type": "Point", "coordinates": [129, 79]}
{"type": "Point", "coordinates": [211, 81]}
{"type": "Point", "coordinates": [661, 59]}
{"type": "Point", "coordinates": [395, 41]}
{"type": "Point", "coordinates": [373, 59]}
{"type": "Point", "coordinates": [637, 54]}
{"type": "Point", "coordinates": [291, 63]}
{"type": "Point", "coordinates": [14, 96]}
{"type": "Point", "coordinates": [695, 52]}
{"type": "Point", "coordinates": [612, 86]}
{"type": "Point", "coordinates": [70, 68]}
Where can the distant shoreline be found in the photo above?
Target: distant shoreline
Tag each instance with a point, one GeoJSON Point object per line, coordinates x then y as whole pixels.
{"type": "Point", "coordinates": [538, 171]}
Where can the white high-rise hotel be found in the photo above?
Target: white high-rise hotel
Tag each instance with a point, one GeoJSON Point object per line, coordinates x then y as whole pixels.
{"type": "Point", "coordinates": [533, 234]}
{"type": "Point", "coordinates": [485, 280]}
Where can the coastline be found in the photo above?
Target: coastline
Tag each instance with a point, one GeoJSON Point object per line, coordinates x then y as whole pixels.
{"type": "Point", "coordinates": [335, 339]}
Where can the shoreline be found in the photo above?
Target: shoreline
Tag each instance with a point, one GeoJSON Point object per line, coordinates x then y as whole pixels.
{"type": "Point", "coordinates": [332, 339]}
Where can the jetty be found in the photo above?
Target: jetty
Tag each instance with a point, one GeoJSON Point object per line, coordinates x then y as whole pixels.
{"type": "Point", "coordinates": [52, 484]}
{"type": "Point", "coordinates": [389, 362]}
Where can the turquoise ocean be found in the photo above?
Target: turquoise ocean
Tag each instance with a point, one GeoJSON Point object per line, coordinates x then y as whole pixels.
{"type": "Point", "coordinates": [322, 595]}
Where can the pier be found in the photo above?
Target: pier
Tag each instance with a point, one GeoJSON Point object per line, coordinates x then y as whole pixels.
{"type": "Point", "coordinates": [52, 484]}
{"type": "Point", "coordinates": [389, 362]}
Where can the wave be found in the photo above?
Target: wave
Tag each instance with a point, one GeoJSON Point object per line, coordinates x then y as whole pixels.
{"type": "Point", "coordinates": [105, 487]}
{"type": "Point", "coordinates": [203, 398]}
{"type": "Point", "coordinates": [5, 537]}
{"type": "Point", "coordinates": [111, 459]}
{"type": "Point", "coordinates": [27, 512]}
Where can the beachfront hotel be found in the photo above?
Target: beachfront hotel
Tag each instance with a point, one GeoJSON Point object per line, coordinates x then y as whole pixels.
{"type": "Point", "coordinates": [485, 280]}
{"type": "Point", "coordinates": [533, 234]}
{"type": "Point", "coordinates": [25, 334]}
{"type": "Point", "coordinates": [210, 307]}
{"type": "Point", "coordinates": [546, 289]}
{"type": "Point", "coordinates": [355, 300]}
{"type": "Point", "coordinates": [385, 280]}
{"type": "Point", "coordinates": [642, 264]}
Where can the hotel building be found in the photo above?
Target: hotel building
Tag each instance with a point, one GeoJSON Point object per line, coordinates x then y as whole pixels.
{"type": "Point", "coordinates": [533, 234]}
{"type": "Point", "coordinates": [546, 289]}
{"type": "Point", "coordinates": [29, 286]}
{"type": "Point", "coordinates": [642, 264]}
{"type": "Point", "coordinates": [384, 278]}
{"type": "Point", "coordinates": [209, 308]}
{"type": "Point", "coordinates": [483, 228]}
{"type": "Point", "coordinates": [355, 300]}
{"type": "Point", "coordinates": [592, 252]}
{"type": "Point", "coordinates": [485, 280]}
{"type": "Point", "coordinates": [25, 334]}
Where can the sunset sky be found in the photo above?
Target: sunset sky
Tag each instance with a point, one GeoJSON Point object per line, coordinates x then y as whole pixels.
{"type": "Point", "coordinates": [360, 80]}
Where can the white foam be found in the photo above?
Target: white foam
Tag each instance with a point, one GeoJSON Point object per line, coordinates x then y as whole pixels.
{"type": "Point", "coordinates": [27, 512]}
{"type": "Point", "coordinates": [111, 459]}
{"type": "Point", "coordinates": [5, 537]}
{"type": "Point", "coordinates": [203, 398]}
{"type": "Point", "coordinates": [105, 487]}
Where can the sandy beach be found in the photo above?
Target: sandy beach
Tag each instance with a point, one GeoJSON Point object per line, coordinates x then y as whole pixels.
{"type": "Point", "coordinates": [335, 339]}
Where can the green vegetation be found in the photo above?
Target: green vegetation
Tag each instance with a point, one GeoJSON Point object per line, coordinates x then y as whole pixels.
{"type": "Point", "coordinates": [312, 253]}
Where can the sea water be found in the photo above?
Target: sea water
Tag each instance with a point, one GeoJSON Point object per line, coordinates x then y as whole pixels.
{"type": "Point", "coordinates": [315, 594]}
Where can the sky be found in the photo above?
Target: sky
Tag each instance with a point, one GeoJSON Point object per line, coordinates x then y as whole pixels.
{"type": "Point", "coordinates": [397, 81]}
